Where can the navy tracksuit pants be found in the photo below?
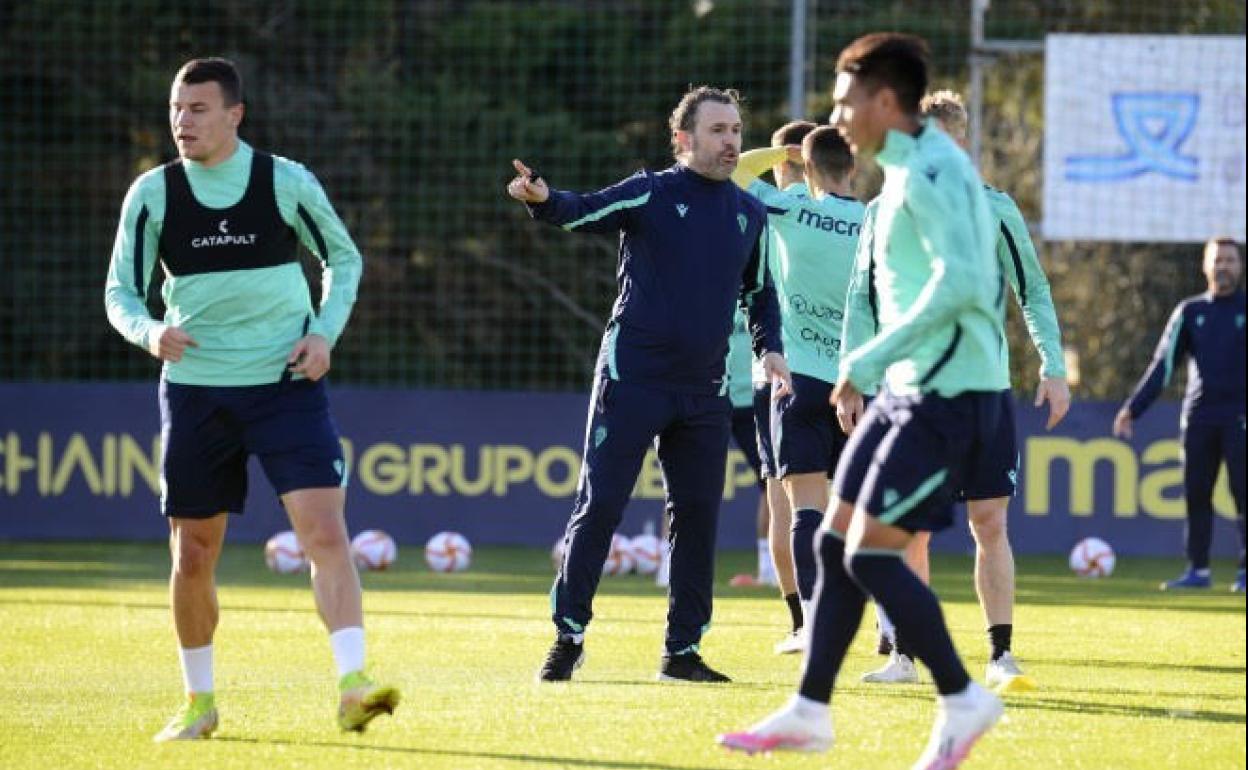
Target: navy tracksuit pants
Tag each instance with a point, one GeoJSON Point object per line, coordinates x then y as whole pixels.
{"type": "Point", "coordinates": [690, 435]}
{"type": "Point", "coordinates": [1205, 448]}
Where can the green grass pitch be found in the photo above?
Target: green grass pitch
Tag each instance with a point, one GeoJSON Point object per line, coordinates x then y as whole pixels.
{"type": "Point", "coordinates": [1130, 677]}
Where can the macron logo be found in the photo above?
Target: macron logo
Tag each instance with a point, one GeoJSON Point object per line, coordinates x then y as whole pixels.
{"type": "Point", "coordinates": [682, 209]}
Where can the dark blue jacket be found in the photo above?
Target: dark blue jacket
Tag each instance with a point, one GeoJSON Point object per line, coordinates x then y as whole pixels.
{"type": "Point", "coordinates": [1208, 330]}
{"type": "Point", "coordinates": [690, 249]}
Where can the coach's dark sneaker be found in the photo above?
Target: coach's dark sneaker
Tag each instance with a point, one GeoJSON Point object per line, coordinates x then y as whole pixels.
{"type": "Point", "coordinates": [565, 656]}
{"type": "Point", "coordinates": [688, 667]}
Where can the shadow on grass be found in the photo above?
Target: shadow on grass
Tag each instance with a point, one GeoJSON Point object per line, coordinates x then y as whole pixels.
{"type": "Point", "coordinates": [1143, 665]}
{"type": "Point", "coordinates": [1109, 709]}
{"type": "Point", "coordinates": [539, 760]}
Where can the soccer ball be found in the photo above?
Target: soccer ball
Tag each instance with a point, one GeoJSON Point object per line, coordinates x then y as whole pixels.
{"type": "Point", "coordinates": [619, 558]}
{"type": "Point", "coordinates": [448, 552]}
{"type": "Point", "coordinates": [284, 555]}
{"type": "Point", "coordinates": [646, 554]}
{"type": "Point", "coordinates": [556, 554]}
{"type": "Point", "coordinates": [1092, 557]}
{"type": "Point", "coordinates": [373, 549]}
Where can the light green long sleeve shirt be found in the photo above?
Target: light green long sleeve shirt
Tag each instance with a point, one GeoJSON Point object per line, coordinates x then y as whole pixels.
{"type": "Point", "coordinates": [1017, 257]}
{"type": "Point", "coordinates": [938, 282]}
{"type": "Point", "coordinates": [245, 321]}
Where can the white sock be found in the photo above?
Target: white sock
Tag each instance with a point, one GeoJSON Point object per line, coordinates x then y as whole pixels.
{"type": "Point", "coordinates": [197, 668]}
{"type": "Point", "coordinates": [887, 629]}
{"type": "Point", "coordinates": [963, 699]}
{"type": "Point", "coordinates": [348, 647]}
{"type": "Point", "coordinates": [809, 709]}
{"type": "Point", "coordinates": [765, 567]}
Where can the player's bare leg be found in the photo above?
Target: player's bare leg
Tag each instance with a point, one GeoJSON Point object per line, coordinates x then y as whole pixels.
{"type": "Point", "coordinates": [994, 583]}
{"type": "Point", "coordinates": [779, 539]}
{"type": "Point", "coordinates": [318, 520]}
{"type": "Point", "coordinates": [195, 547]}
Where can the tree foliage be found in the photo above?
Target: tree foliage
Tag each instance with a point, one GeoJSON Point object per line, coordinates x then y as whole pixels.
{"type": "Point", "coordinates": [409, 112]}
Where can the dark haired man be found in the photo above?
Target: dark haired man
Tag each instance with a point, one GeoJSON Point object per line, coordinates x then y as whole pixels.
{"type": "Point", "coordinates": [692, 245]}
{"type": "Point", "coordinates": [244, 356]}
{"type": "Point", "coordinates": [1209, 330]}
{"type": "Point", "coordinates": [938, 352]}
{"type": "Point", "coordinates": [815, 227]}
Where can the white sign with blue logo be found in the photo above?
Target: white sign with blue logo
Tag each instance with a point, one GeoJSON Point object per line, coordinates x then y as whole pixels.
{"type": "Point", "coordinates": [1144, 137]}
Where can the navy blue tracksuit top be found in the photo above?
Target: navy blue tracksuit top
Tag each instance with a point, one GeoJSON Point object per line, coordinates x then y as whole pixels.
{"type": "Point", "coordinates": [690, 249]}
{"type": "Point", "coordinates": [1209, 331]}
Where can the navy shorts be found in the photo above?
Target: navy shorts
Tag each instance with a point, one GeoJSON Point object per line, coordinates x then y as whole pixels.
{"type": "Point", "coordinates": [208, 433]}
{"type": "Point", "coordinates": [995, 472]}
{"type": "Point", "coordinates": [762, 429]}
{"type": "Point", "coordinates": [745, 434]}
{"type": "Point", "coordinates": [805, 434]}
{"type": "Point", "coordinates": [910, 455]}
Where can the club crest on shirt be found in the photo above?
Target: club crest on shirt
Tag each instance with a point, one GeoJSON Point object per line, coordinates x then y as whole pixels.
{"type": "Point", "coordinates": [682, 209]}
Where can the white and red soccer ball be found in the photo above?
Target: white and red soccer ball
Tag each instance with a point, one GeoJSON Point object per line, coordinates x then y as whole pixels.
{"type": "Point", "coordinates": [619, 558]}
{"type": "Point", "coordinates": [647, 550]}
{"type": "Point", "coordinates": [1092, 558]}
{"type": "Point", "coordinates": [284, 555]}
{"type": "Point", "coordinates": [638, 554]}
{"type": "Point", "coordinates": [373, 549]}
{"type": "Point", "coordinates": [448, 552]}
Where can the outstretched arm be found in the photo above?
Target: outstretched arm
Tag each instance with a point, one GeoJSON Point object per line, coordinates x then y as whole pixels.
{"type": "Point", "coordinates": [609, 210]}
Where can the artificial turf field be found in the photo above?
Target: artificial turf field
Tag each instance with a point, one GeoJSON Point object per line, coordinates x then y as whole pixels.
{"type": "Point", "coordinates": [1130, 677]}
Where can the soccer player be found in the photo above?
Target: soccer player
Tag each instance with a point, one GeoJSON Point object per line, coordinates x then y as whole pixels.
{"type": "Point", "coordinates": [692, 245]}
{"type": "Point", "coordinates": [789, 174]}
{"type": "Point", "coordinates": [244, 359]}
{"type": "Point", "coordinates": [990, 485]}
{"type": "Point", "coordinates": [938, 353]}
{"type": "Point", "coordinates": [1207, 329]}
{"type": "Point", "coordinates": [815, 227]}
